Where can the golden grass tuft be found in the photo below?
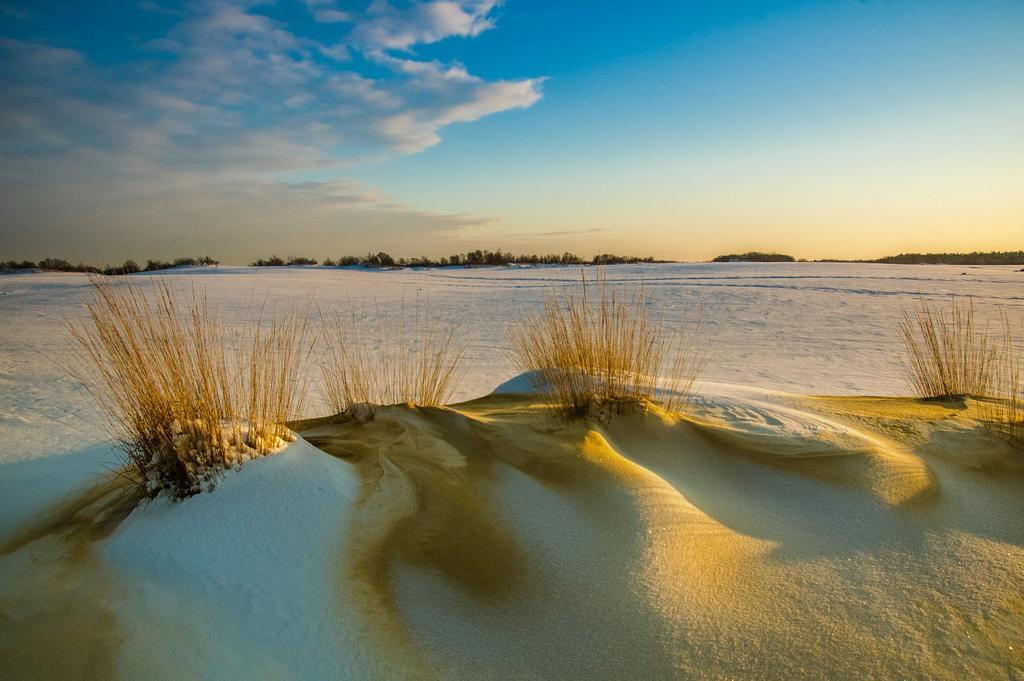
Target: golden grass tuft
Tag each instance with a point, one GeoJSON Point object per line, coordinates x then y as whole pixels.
{"type": "Point", "coordinates": [594, 346]}
{"type": "Point", "coordinates": [180, 404]}
{"type": "Point", "coordinates": [411, 359]}
{"type": "Point", "coordinates": [272, 377]}
{"type": "Point", "coordinates": [1007, 413]}
{"type": "Point", "coordinates": [946, 354]}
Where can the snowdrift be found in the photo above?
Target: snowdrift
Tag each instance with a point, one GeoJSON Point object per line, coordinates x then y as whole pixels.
{"type": "Point", "coordinates": [764, 535]}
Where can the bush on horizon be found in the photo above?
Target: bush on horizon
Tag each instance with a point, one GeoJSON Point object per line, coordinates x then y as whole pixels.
{"type": "Point", "coordinates": [275, 261]}
{"type": "Point", "coordinates": [755, 256]}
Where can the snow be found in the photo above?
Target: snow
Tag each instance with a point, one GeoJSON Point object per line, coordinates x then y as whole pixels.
{"type": "Point", "coordinates": [264, 548]}
{"type": "Point", "coordinates": [31, 485]}
{"type": "Point", "coordinates": [813, 328]}
{"type": "Point", "coordinates": [248, 581]}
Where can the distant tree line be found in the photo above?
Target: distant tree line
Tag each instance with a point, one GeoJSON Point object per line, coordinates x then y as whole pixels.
{"type": "Point", "coordinates": [274, 261]}
{"type": "Point", "coordinates": [478, 258]}
{"type": "Point", "coordinates": [973, 258]}
{"type": "Point", "coordinates": [128, 267]}
{"type": "Point", "coordinates": [485, 258]}
{"type": "Point", "coordinates": [755, 256]}
{"type": "Point", "coordinates": [609, 259]}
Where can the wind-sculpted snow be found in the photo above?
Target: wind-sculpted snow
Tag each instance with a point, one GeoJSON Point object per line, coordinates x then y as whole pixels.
{"type": "Point", "coordinates": [779, 537]}
{"type": "Point", "coordinates": [762, 535]}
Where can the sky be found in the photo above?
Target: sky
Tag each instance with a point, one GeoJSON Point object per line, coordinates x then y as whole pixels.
{"type": "Point", "coordinates": [682, 130]}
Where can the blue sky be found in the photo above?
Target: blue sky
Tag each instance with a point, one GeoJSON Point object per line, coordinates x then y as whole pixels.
{"type": "Point", "coordinates": [679, 129]}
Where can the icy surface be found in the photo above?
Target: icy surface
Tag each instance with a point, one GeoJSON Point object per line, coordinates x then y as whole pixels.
{"type": "Point", "coordinates": [799, 327]}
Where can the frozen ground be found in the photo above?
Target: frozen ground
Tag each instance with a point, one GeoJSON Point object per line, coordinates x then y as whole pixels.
{"type": "Point", "coordinates": [800, 327]}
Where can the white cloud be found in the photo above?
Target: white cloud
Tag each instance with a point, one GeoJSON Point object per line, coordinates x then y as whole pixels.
{"type": "Point", "coordinates": [388, 27]}
{"type": "Point", "coordinates": [331, 16]}
{"type": "Point", "coordinates": [229, 99]}
{"type": "Point", "coordinates": [29, 55]}
{"type": "Point", "coordinates": [366, 89]}
{"type": "Point", "coordinates": [235, 76]}
{"type": "Point", "coordinates": [337, 52]}
{"type": "Point", "coordinates": [415, 128]}
{"type": "Point", "coordinates": [327, 12]}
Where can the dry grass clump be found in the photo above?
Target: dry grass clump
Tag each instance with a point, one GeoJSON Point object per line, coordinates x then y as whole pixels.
{"type": "Point", "coordinates": [946, 354]}
{"type": "Point", "coordinates": [411, 359]}
{"type": "Point", "coordinates": [594, 346]}
{"type": "Point", "coordinates": [180, 405]}
{"type": "Point", "coordinates": [272, 380]}
{"type": "Point", "coordinates": [1007, 413]}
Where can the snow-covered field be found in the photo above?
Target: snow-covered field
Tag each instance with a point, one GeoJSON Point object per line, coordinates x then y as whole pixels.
{"type": "Point", "coordinates": [800, 327]}
{"type": "Point", "coordinates": [474, 542]}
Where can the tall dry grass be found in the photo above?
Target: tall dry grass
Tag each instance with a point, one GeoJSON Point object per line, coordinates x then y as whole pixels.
{"type": "Point", "coordinates": [595, 345]}
{"type": "Point", "coordinates": [1007, 412]}
{"type": "Point", "coordinates": [181, 404]}
{"type": "Point", "coordinates": [388, 360]}
{"type": "Point", "coordinates": [946, 351]}
{"type": "Point", "coordinates": [272, 378]}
